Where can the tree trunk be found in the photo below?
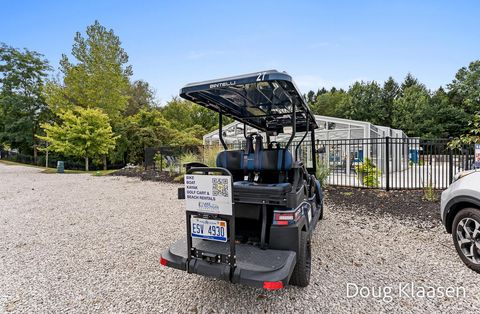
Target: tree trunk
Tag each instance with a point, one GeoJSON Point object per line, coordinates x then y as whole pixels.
{"type": "Point", "coordinates": [104, 162]}
{"type": "Point", "coordinates": [35, 153]}
{"type": "Point", "coordinates": [86, 163]}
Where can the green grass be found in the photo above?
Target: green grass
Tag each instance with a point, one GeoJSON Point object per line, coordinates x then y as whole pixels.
{"type": "Point", "coordinates": [14, 163]}
{"type": "Point", "coordinates": [99, 173]}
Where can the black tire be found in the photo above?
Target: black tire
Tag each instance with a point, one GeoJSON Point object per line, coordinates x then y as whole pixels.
{"type": "Point", "coordinates": [466, 239]}
{"type": "Point", "coordinates": [320, 217]}
{"type": "Point", "coordinates": [303, 268]}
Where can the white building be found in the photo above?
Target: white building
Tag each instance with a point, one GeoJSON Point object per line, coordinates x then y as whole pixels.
{"type": "Point", "coordinates": [330, 128]}
{"type": "Point", "coordinates": [345, 143]}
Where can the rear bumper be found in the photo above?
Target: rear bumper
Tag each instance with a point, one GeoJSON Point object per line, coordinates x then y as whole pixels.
{"type": "Point", "coordinates": [254, 266]}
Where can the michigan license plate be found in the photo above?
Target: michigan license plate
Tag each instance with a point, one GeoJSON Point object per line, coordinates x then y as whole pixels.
{"type": "Point", "coordinates": [209, 229]}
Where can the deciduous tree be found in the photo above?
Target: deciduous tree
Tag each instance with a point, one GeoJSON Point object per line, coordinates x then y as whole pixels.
{"type": "Point", "coordinates": [84, 133]}
{"type": "Point", "coordinates": [99, 77]}
{"type": "Point", "coordinates": [22, 105]}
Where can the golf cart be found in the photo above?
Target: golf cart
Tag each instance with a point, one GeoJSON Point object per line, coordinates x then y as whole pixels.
{"type": "Point", "coordinates": [250, 219]}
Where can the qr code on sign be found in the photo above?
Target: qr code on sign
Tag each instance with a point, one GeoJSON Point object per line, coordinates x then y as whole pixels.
{"type": "Point", "coordinates": [220, 187]}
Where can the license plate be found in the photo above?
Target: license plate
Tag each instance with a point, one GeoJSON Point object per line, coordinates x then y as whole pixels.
{"type": "Point", "coordinates": [209, 229]}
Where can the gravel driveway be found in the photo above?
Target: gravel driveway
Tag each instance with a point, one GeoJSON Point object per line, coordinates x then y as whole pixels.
{"type": "Point", "coordinates": [81, 243]}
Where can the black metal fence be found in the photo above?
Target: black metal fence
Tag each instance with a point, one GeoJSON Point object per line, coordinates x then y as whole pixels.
{"type": "Point", "coordinates": [393, 163]}
{"type": "Point", "coordinates": [380, 163]}
{"type": "Point", "coordinates": [170, 158]}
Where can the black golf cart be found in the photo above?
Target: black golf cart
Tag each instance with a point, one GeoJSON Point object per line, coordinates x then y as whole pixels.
{"type": "Point", "coordinates": [250, 219]}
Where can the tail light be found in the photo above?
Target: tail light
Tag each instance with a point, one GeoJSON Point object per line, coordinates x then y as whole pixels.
{"type": "Point", "coordinates": [288, 216]}
{"type": "Point", "coordinates": [163, 261]}
{"type": "Point", "coordinates": [272, 285]}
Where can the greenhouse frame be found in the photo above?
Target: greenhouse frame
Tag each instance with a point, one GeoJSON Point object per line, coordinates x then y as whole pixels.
{"type": "Point", "coordinates": [343, 144]}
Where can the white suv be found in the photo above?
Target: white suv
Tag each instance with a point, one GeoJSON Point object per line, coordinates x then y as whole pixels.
{"type": "Point", "coordinates": [460, 212]}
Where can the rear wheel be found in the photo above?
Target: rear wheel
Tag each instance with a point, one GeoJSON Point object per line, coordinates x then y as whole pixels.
{"type": "Point", "coordinates": [320, 217]}
{"type": "Point", "coordinates": [466, 237]}
{"type": "Point", "coordinates": [303, 267]}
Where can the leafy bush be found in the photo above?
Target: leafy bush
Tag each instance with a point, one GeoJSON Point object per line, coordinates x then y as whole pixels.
{"type": "Point", "coordinates": [368, 173]}
{"type": "Point", "coordinates": [323, 172]}
{"type": "Point", "coordinates": [429, 194]}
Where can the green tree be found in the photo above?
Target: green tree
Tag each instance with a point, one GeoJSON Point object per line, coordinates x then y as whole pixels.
{"type": "Point", "coordinates": [84, 133]}
{"type": "Point", "coordinates": [328, 103]}
{"type": "Point", "coordinates": [22, 105]}
{"type": "Point", "coordinates": [98, 79]}
{"type": "Point", "coordinates": [142, 96]}
{"type": "Point", "coordinates": [183, 114]}
{"type": "Point", "coordinates": [390, 92]}
{"type": "Point", "coordinates": [364, 103]}
{"type": "Point", "coordinates": [409, 109]}
{"type": "Point", "coordinates": [472, 136]}
{"type": "Point", "coordinates": [441, 118]}
{"type": "Point", "coordinates": [149, 128]}
{"type": "Point", "coordinates": [310, 97]}
{"type": "Point", "coordinates": [409, 81]}
{"type": "Point", "coordinates": [466, 87]}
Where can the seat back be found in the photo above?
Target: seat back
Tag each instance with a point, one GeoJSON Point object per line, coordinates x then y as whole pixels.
{"type": "Point", "coordinates": [275, 160]}
{"type": "Point", "coordinates": [230, 159]}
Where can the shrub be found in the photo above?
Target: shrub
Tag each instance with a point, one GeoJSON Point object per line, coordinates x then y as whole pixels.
{"type": "Point", "coordinates": [186, 158]}
{"type": "Point", "coordinates": [429, 194]}
{"type": "Point", "coordinates": [323, 172]}
{"type": "Point", "coordinates": [368, 173]}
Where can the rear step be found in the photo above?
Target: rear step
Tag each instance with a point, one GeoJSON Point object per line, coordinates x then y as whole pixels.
{"type": "Point", "coordinates": [268, 269]}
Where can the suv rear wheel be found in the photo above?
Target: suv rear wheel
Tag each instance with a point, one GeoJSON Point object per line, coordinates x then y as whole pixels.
{"type": "Point", "coordinates": [466, 237]}
{"type": "Point", "coordinates": [303, 268]}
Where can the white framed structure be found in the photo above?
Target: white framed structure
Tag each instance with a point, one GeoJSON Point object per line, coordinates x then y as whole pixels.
{"type": "Point", "coordinates": [346, 143]}
{"type": "Point", "coordinates": [330, 128]}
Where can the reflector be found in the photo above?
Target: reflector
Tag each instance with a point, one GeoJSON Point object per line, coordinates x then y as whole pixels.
{"type": "Point", "coordinates": [163, 261]}
{"type": "Point", "coordinates": [272, 285]}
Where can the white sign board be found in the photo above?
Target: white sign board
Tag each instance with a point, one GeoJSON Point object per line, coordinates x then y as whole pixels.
{"type": "Point", "coordinates": [208, 194]}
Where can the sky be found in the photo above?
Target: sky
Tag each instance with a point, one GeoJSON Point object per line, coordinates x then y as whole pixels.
{"type": "Point", "coordinates": [319, 43]}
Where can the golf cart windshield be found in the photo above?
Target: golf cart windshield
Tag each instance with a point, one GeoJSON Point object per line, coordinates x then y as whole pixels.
{"type": "Point", "coordinates": [267, 101]}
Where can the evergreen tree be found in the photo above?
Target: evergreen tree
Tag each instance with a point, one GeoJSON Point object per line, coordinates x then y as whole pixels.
{"type": "Point", "coordinates": [390, 92]}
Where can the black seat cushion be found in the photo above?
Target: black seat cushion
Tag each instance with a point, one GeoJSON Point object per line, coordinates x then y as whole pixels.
{"type": "Point", "coordinates": [262, 188]}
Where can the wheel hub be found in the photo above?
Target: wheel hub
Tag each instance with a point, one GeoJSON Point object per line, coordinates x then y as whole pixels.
{"type": "Point", "coordinates": [468, 238]}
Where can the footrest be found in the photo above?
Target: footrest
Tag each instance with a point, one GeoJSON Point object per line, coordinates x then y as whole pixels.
{"type": "Point", "coordinates": [254, 266]}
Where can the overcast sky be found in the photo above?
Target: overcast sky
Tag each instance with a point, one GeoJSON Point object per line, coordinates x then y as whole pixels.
{"type": "Point", "coordinates": [320, 43]}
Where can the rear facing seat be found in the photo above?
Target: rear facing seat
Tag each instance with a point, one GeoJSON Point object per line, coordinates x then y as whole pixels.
{"type": "Point", "coordinates": [269, 163]}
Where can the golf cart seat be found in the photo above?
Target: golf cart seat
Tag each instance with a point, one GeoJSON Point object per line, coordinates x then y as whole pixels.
{"type": "Point", "coordinates": [269, 188]}
{"type": "Point", "coordinates": [269, 165]}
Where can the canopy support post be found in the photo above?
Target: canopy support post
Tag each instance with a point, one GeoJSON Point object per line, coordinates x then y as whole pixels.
{"type": "Point", "coordinates": [220, 132]}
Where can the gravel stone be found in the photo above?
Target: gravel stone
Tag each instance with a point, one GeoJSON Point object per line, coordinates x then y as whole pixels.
{"type": "Point", "coordinates": [80, 243]}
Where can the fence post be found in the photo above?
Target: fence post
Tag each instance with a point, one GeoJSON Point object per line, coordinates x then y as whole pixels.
{"type": "Point", "coordinates": [387, 163]}
{"type": "Point", "coordinates": [450, 164]}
